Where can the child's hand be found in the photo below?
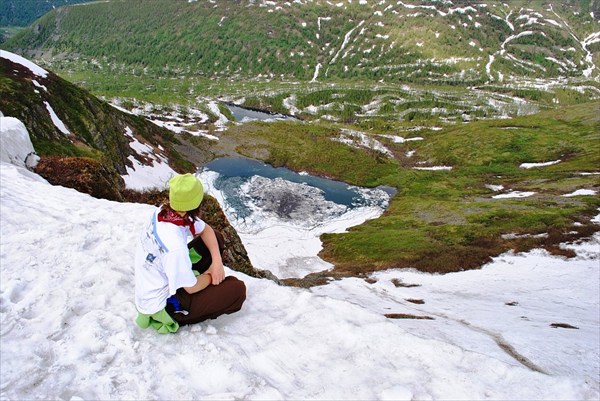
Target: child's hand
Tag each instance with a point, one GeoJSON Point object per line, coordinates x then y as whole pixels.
{"type": "Point", "coordinates": [217, 273]}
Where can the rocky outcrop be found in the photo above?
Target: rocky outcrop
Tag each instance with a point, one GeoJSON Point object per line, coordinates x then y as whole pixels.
{"type": "Point", "coordinates": [235, 255]}
{"type": "Point", "coordinates": [83, 174]}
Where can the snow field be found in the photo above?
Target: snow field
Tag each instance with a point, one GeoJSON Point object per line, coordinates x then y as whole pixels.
{"type": "Point", "coordinates": [15, 58]}
{"type": "Point", "coordinates": [67, 318]}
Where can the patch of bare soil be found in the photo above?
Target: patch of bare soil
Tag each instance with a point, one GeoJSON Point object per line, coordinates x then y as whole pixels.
{"type": "Point", "coordinates": [407, 316]}
{"type": "Point", "coordinates": [415, 301]}
{"type": "Point", "coordinates": [563, 326]}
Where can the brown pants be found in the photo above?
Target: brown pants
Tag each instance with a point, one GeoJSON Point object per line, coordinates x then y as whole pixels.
{"type": "Point", "coordinates": [214, 300]}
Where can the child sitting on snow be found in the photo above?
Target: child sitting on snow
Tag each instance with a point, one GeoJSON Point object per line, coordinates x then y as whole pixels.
{"type": "Point", "coordinates": [179, 283]}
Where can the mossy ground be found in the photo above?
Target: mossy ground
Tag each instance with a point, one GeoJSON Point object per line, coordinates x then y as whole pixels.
{"type": "Point", "coordinates": [444, 221]}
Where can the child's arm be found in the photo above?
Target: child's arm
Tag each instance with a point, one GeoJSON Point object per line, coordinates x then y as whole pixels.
{"type": "Point", "coordinates": [202, 281]}
{"type": "Point", "coordinates": [216, 267]}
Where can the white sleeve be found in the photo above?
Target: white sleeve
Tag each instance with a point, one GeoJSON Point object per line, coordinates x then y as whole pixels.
{"type": "Point", "coordinates": [199, 226]}
{"type": "Point", "coordinates": [178, 268]}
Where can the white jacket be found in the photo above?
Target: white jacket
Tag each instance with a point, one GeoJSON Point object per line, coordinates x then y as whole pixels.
{"type": "Point", "coordinates": [162, 263]}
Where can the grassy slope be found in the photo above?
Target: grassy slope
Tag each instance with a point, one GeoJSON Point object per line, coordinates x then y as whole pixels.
{"type": "Point", "coordinates": [97, 128]}
{"type": "Point", "coordinates": [236, 39]}
{"type": "Point", "coordinates": [444, 221]}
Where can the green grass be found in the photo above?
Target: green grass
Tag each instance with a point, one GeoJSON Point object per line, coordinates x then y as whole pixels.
{"type": "Point", "coordinates": [8, 31]}
{"type": "Point", "coordinates": [301, 146]}
{"type": "Point", "coordinates": [53, 148]}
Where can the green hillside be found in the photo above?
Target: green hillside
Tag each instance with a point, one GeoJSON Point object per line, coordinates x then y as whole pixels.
{"type": "Point", "coordinates": [95, 129]}
{"type": "Point", "coordinates": [409, 41]}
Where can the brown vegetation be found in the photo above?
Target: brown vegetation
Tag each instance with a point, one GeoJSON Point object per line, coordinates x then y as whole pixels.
{"type": "Point", "coordinates": [399, 283]}
{"type": "Point", "coordinates": [415, 301]}
{"type": "Point", "coordinates": [83, 174]}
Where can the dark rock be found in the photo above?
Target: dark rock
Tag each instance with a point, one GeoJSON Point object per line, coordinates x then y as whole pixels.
{"type": "Point", "coordinates": [563, 326]}
{"type": "Point", "coordinates": [406, 316]}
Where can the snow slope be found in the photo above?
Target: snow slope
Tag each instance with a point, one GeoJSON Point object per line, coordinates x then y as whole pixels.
{"type": "Point", "coordinates": [67, 331]}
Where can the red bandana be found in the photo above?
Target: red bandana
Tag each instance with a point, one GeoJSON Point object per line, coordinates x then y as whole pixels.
{"type": "Point", "coordinates": [170, 216]}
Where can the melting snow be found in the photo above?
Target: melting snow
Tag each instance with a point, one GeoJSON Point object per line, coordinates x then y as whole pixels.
{"type": "Point", "coordinates": [346, 40]}
{"type": "Point", "coordinates": [434, 168]}
{"type": "Point", "coordinates": [316, 74]}
{"type": "Point", "coordinates": [495, 188]}
{"type": "Point", "coordinates": [399, 139]}
{"type": "Point", "coordinates": [15, 145]}
{"type": "Point", "coordinates": [533, 165]}
{"type": "Point", "coordinates": [581, 192]}
{"type": "Point", "coordinates": [361, 140]}
{"type": "Point", "coordinates": [37, 84]}
{"type": "Point", "coordinates": [514, 194]}
{"type": "Point", "coordinates": [142, 176]}
{"type": "Point", "coordinates": [56, 120]}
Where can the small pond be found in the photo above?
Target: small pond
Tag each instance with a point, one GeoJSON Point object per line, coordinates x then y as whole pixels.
{"type": "Point", "coordinates": [333, 191]}
{"type": "Point", "coordinates": [242, 114]}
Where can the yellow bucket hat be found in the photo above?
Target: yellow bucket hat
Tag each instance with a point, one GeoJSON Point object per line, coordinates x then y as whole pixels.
{"type": "Point", "coordinates": [185, 192]}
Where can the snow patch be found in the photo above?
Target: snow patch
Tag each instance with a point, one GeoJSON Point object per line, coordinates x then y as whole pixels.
{"type": "Point", "coordinates": [514, 194]}
{"type": "Point", "coordinates": [346, 40]}
{"type": "Point", "coordinates": [143, 176]}
{"type": "Point", "coordinates": [581, 192]}
{"type": "Point", "coordinates": [399, 139]}
{"type": "Point", "coordinates": [434, 168]}
{"type": "Point", "coordinates": [495, 188]}
{"type": "Point", "coordinates": [38, 85]}
{"type": "Point", "coordinates": [316, 74]}
{"type": "Point", "coordinates": [534, 165]}
{"type": "Point", "coordinates": [56, 120]}
{"type": "Point", "coordinates": [359, 140]}
{"type": "Point", "coordinates": [222, 121]}
{"type": "Point", "coordinates": [15, 144]}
